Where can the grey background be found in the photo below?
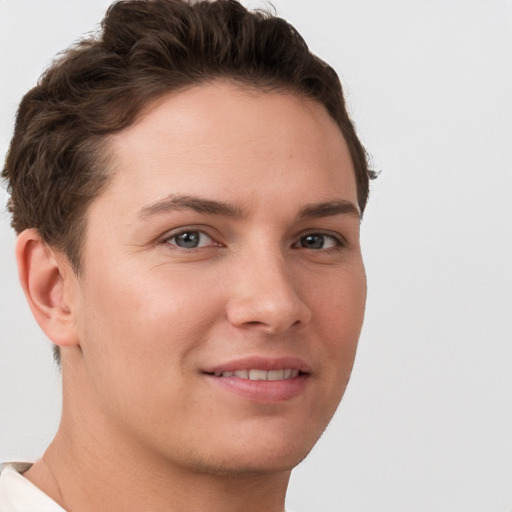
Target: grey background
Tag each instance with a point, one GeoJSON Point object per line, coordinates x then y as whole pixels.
{"type": "Point", "coordinates": [426, 424]}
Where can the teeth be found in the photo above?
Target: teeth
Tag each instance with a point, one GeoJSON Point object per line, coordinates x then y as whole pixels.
{"type": "Point", "coordinates": [255, 374]}
{"type": "Point", "coordinates": [275, 375]}
{"type": "Point", "coordinates": [258, 374]}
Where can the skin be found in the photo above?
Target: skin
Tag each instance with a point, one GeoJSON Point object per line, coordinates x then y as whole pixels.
{"type": "Point", "coordinates": [145, 425]}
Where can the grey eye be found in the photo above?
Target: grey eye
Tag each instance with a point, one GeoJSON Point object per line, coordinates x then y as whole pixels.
{"type": "Point", "coordinates": [190, 239]}
{"type": "Point", "coordinates": [317, 241]}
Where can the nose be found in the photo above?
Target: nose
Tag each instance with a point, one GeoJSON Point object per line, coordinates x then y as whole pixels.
{"type": "Point", "coordinates": [264, 295]}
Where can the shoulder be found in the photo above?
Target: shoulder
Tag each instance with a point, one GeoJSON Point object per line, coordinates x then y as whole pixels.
{"type": "Point", "coordinates": [17, 494]}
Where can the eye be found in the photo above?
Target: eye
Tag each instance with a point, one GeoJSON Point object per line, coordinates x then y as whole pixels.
{"type": "Point", "coordinates": [318, 241]}
{"type": "Point", "coordinates": [190, 239]}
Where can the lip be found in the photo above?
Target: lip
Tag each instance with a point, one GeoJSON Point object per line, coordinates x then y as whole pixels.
{"type": "Point", "coordinates": [261, 363]}
{"type": "Point", "coordinates": [261, 391]}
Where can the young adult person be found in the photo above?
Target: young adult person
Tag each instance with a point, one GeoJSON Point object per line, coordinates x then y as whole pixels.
{"type": "Point", "coordinates": [187, 189]}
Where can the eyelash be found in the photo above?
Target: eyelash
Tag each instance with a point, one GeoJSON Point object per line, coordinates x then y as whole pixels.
{"type": "Point", "coordinates": [339, 241]}
{"type": "Point", "coordinates": [190, 231]}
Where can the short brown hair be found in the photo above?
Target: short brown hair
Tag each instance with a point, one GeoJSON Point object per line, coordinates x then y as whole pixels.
{"type": "Point", "coordinates": [54, 167]}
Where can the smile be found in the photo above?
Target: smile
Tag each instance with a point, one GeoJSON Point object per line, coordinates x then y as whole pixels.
{"type": "Point", "coordinates": [256, 374]}
{"type": "Point", "coordinates": [262, 380]}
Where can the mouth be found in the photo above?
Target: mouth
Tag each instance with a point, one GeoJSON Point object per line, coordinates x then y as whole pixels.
{"type": "Point", "coordinates": [262, 380]}
{"type": "Point", "coordinates": [257, 374]}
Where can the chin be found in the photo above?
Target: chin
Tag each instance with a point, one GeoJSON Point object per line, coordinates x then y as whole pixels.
{"type": "Point", "coordinates": [262, 454]}
{"type": "Point", "coordinates": [244, 466]}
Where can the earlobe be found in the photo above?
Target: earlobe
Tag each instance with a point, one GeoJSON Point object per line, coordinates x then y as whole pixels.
{"type": "Point", "coordinates": [45, 276]}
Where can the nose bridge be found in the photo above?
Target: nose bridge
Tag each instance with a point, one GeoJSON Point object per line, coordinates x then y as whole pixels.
{"type": "Point", "coordinates": [264, 294]}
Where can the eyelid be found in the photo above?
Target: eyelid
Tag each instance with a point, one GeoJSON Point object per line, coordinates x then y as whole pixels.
{"type": "Point", "coordinates": [173, 233]}
{"type": "Point", "coordinates": [340, 240]}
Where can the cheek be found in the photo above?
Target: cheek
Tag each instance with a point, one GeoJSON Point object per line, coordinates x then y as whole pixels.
{"type": "Point", "coordinates": [154, 315]}
{"type": "Point", "coordinates": [340, 299]}
{"type": "Point", "coordinates": [339, 313]}
{"type": "Point", "coordinates": [138, 336]}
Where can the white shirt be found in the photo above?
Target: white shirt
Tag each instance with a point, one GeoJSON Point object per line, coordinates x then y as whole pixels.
{"type": "Point", "coordinates": [17, 494]}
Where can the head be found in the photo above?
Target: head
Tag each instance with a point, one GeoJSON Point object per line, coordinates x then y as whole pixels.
{"type": "Point", "coordinates": [71, 166]}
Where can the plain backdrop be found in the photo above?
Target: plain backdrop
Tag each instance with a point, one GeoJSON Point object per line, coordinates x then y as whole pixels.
{"type": "Point", "coordinates": [426, 423]}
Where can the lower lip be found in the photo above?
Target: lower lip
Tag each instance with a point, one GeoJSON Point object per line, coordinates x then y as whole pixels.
{"type": "Point", "coordinates": [265, 391]}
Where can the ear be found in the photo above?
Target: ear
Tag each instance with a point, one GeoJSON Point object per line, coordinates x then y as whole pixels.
{"type": "Point", "coordinates": [48, 281]}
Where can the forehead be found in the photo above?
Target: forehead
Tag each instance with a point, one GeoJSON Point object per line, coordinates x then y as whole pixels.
{"type": "Point", "coordinates": [222, 139]}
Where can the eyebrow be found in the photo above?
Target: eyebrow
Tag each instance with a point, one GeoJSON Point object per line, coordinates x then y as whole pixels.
{"type": "Point", "coordinates": [183, 202]}
{"type": "Point", "coordinates": [200, 205]}
{"type": "Point", "coordinates": [329, 209]}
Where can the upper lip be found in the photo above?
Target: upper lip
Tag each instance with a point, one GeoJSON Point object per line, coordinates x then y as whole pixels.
{"type": "Point", "coordinates": [261, 363]}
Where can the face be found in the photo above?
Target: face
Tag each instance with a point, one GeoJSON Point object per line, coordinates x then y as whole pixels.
{"type": "Point", "coordinates": [223, 288]}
